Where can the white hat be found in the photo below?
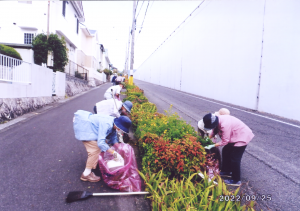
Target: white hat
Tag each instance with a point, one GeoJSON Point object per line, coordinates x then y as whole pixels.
{"type": "Point", "coordinates": [201, 126]}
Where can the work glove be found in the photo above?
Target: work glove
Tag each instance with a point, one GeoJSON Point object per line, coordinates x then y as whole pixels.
{"type": "Point", "coordinates": [209, 146]}
{"type": "Point", "coordinates": [118, 157]}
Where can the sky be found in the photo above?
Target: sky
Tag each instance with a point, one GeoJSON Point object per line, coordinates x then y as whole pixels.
{"type": "Point", "coordinates": [113, 19]}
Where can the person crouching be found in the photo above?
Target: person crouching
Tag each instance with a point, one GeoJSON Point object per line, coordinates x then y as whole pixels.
{"type": "Point", "coordinates": [93, 130]}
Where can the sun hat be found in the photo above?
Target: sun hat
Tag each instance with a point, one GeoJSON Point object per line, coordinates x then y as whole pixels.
{"type": "Point", "coordinates": [224, 111]}
{"type": "Point", "coordinates": [127, 105]}
{"type": "Point", "coordinates": [123, 123]}
{"type": "Point", "coordinates": [210, 121]}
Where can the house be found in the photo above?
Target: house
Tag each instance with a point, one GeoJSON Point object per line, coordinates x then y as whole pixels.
{"type": "Point", "coordinates": [18, 28]}
{"type": "Point", "coordinates": [90, 53]}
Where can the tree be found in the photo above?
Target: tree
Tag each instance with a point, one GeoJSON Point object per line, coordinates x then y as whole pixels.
{"type": "Point", "coordinates": [41, 46]}
{"type": "Point", "coordinates": [59, 48]}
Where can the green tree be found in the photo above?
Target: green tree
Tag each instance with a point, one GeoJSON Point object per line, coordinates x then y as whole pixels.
{"type": "Point", "coordinates": [41, 46]}
{"type": "Point", "coordinates": [9, 51]}
{"type": "Point", "coordinates": [59, 48]}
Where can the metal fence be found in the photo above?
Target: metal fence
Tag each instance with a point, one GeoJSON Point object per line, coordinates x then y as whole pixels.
{"type": "Point", "coordinates": [14, 70]}
{"type": "Point", "coordinates": [76, 70]}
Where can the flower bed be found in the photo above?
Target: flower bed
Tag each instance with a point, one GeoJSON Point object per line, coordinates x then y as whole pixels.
{"type": "Point", "coordinates": [171, 151]}
{"type": "Point", "coordinates": [165, 141]}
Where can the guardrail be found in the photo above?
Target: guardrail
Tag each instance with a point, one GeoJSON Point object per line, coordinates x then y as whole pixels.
{"type": "Point", "coordinates": [14, 70]}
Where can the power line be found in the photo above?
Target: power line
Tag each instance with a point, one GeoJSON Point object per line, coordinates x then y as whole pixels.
{"type": "Point", "coordinates": [136, 5]}
{"type": "Point", "coordinates": [140, 9]}
{"type": "Point", "coordinates": [179, 25]}
{"type": "Point", "coordinates": [144, 17]}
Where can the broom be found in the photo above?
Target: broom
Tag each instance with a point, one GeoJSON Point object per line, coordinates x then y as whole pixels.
{"type": "Point", "coordinates": [80, 195]}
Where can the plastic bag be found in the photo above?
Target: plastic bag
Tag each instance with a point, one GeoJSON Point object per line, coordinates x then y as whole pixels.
{"type": "Point", "coordinates": [126, 178]}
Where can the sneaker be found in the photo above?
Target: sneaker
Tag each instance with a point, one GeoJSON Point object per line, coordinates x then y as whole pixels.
{"type": "Point", "coordinates": [232, 182]}
{"type": "Point", "coordinates": [225, 174]}
{"type": "Point", "coordinates": [91, 177]}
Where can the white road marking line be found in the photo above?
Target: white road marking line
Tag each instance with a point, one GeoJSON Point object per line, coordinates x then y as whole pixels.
{"type": "Point", "coordinates": [235, 108]}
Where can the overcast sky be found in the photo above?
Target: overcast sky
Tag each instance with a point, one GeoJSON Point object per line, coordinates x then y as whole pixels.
{"type": "Point", "coordinates": [112, 20]}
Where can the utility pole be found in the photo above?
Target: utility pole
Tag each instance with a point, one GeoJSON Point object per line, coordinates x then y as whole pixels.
{"type": "Point", "coordinates": [127, 53]}
{"type": "Point", "coordinates": [48, 19]}
{"type": "Point", "coordinates": [132, 33]}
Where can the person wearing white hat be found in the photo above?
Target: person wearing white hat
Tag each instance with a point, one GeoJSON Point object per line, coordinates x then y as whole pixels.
{"type": "Point", "coordinates": [113, 107]}
{"type": "Point", "coordinates": [113, 90]}
{"type": "Point", "coordinates": [235, 136]}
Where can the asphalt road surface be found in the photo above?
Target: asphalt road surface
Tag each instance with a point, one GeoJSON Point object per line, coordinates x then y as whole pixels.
{"type": "Point", "coordinates": [271, 163]}
{"type": "Point", "coordinates": [41, 161]}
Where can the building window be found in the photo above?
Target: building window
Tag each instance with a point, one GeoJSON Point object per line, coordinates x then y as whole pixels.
{"type": "Point", "coordinates": [77, 26]}
{"type": "Point", "coordinates": [28, 37]}
{"type": "Point", "coordinates": [64, 8]}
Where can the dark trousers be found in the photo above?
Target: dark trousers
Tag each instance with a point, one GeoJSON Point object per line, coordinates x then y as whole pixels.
{"type": "Point", "coordinates": [231, 160]}
{"type": "Point", "coordinates": [95, 109]}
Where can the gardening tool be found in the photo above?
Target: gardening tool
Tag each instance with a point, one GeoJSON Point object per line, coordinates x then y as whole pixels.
{"type": "Point", "coordinates": [80, 195]}
{"type": "Point", "coordinates": [112, 93]}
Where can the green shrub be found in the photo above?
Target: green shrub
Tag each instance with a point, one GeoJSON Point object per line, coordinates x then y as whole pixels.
{"type": "Point", "coordinates": [190, 195]}
{"type": "Point", "coordinates": [178, 158]}
{"type": "Point", "coordinates": [9, 51]}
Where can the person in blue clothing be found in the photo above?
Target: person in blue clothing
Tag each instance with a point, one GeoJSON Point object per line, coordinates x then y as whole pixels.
{"type": "Point", "coordinates": [93, 130]}
{"type": "Point", "coordinates": [114, 80]}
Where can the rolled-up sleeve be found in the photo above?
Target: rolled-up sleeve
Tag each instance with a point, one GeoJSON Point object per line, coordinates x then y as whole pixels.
{"type": "Point", "coordinates": [102, 133]}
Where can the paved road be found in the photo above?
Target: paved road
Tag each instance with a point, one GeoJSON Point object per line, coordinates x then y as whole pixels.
{"type": "Point", "coordinates": [41, 162]}
{"type": "Point", "coordinates": [271, 163]}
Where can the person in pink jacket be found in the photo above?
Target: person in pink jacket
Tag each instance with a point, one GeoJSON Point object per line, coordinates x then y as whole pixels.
{"type": "Point", "coordinates": [235, 136]}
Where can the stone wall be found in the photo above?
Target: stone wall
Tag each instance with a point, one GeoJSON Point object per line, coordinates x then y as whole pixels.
{"type": "Point", "coordinates": [75, 85]}
{"type": "Point", "coordinates": [94, 82]}
{"type": "Point", "coordinates": [11, 108]}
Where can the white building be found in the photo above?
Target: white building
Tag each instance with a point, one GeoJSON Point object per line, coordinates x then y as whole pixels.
{"type": "Point", "coordinates": [20, 21]}
{"type": "Point", "coordinates": [90, 53]}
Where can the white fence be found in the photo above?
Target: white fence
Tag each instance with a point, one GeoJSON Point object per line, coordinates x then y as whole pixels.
{"type": "Point", "coordinates": [22, 79]}
{"type": "Point", "coordinates": [14, 70]}
{"type": "Point", "coordinates": [236, 51]}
